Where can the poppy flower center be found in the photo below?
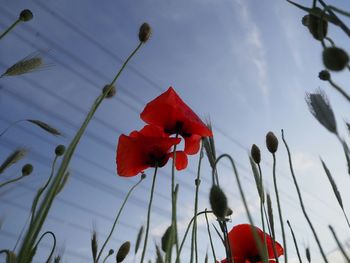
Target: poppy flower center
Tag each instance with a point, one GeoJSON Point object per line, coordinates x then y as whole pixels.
{"type": "Point", "coordinates": [178, 128]}
{"type": "Point", "coordinates": [157, 158]}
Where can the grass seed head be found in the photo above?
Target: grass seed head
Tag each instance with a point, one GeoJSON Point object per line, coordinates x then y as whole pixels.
{"type": "Point", "coordinates": [24, 66]}
{"type": "Point", "coordinates": [271, 142]}
{"type": "Point", "coordinates": [26, 15]}
{"type": "Point", "coordinates": [308, 255]}
{"type": "Point", "coordinates": [335, 58]}
{"type": "Point", "coordinates": [123, 251]}
{"type": "Point", "coordinates": [145, 32]}
{"type": "Point", "coordinates": [27, 169]}
{"type": "Point", "coordinates": [218, 202]}
{"type": "Point", "coordinates": [94, 245]}
{"type": "Point", "coordinates": [12, 159]}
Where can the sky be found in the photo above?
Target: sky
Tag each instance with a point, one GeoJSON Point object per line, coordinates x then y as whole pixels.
{"type": "Point", "coordinates": [246, 65]}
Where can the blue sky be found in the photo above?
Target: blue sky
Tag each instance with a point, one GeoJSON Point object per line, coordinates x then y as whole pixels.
{"type": "Point", "coordinates": [246, 65]}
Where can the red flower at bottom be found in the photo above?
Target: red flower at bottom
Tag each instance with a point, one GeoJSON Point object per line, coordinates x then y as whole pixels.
{"type": "Point", "coordinates": [146, 148]}
{"type": "Point", "coordinates": [243, 247]}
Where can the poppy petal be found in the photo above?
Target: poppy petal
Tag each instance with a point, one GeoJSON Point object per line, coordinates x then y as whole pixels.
{"type": "Point", "coordinates": [181, 161]}
{"type": "Point", "coordinates": [192, 144]}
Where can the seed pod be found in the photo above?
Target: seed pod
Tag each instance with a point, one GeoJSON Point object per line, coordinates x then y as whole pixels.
{"type": "Point", "coordinates": [123, 251]}
{"type": "Point", "coordinates": [60, 149]}
{"type": "Point", "coordinates": [145, 32]}
{"type": "Point", "coordinates": [218, 201]}
{"type": "Point", "coordinates": [27, 169]}
{"type": "Point", "coordinates": [335, 58]}
{"type": "Point", "coordinates": [110, 90]}
{"type": "Point", "coordinates": [26, 15]}
{"type": "Point", "coordinates": [271, 142]}
{"type": "Point", "coordinates": [197, 182]}
{"type": "Point", "coordinates": [324, 75]}
{"type": "Point", "coordinates": [255, 153]}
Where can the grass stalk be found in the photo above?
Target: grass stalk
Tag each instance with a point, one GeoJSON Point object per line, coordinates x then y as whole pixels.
{"type": "Point", "coordinates": [339, 244]}
{"type": "Point", "coordinates": [295, 241]}
{"type": "Point", "coordinates": [10, 28]}
{"type": "Point", "coordinates": [11, 181]}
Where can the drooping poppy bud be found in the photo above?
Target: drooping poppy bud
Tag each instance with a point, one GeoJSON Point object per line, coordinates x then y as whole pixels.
{"type": "Point", "coordinates": [335, 58]}
{"type": "Point", "coordinates": [26, 15]}
{"type": "Point", "coordinates": [255, 153]}
{"type": "Point", "coordinates": [145, 32]}
{"type": "Point", "coordinates": [271, 142]}
{"type": "Point", "coordinates": [27, 169]}
{"type": "Point", "coordinates": [318, 27]}
{"type": "Point", "coordinates": [324, 75]}
{"type": "Point", "coordinates": [123, 251]}
{"type": "Point", "coordinates": [218, 201]}
{"type": "Point", "coordinates": [60, 149]}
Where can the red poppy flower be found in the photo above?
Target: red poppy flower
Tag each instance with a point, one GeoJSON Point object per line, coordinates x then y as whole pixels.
{"type": "Point", "coordinates": [243, 247]}
{"type": "Point", "coordinates": [146, 148]}
{"type": "Point", "coordinates": [175, 117]}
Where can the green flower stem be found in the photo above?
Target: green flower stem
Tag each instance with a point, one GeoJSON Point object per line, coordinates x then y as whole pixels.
{"type": "Point", "coordinates": [210, 239]}
{"type": "Point", "coordinates": [41, 190]}
{"type": "Point", "coordinates": [271, 234]}
{"type": "Point", "coordinates": [339, 89]}
{"type": "Point", "coordinates": [149, 214]}
{"type": "Point", "coordinates": [117, 218]}
{"type": "Point", "coordinates": [53, 247]}
{"type": "Point", "coordinates": [10, 28]}
{"type": "Point", "coordinates": [11, 181]}
{"type": "Point", "coordinates": [279, 208]}
{"type": "Point", "coordinates": [186, 232]}
{"type": "Point", "coordinates": [194, 229]}
{"type": "Point", "coordinates": [255, 234]}
{"type": "Point", "coordinates": [104, 260]}
{"type": "Point", "coordinates": [45, 206]}
{"type": "Point", "coordinates": [301, 201]}
{"type": "Point", "coordinates": [339, 244]}
{"type": "Point", "coordinates": [295, 242]}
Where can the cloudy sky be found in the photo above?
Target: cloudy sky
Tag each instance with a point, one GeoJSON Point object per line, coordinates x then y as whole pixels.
{"type": "Point", "coordinates": [244, 64]}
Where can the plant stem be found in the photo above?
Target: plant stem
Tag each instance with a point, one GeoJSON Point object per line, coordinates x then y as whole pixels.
{"type": "Point", "coordinates": [8, 127]}
{"type": "Point", "coordinates": [339, 244]}
{"type": "Point", "coordinates": [149, 214]}
{"type": "Point", "coordinates": [10, 28]}
{"type": "Point", "coordinates": [46, 204]}
{"type": "Point", "coordinates": [255, 234]}
{"type": "Point", "coordinates": [301, 201]}
{"type": "Point", "coordinates": [117, 218]}
{"type": "Point", "coordinates": [339, 89]}
{"type": "Point", "coordinates": [295, 241]}
{"type": "Point", "coordinates": [279, 208]}
{"type": "Point", "coordinates": [11, 181]}
{"type": "Point", "coordinates": [210, 239]}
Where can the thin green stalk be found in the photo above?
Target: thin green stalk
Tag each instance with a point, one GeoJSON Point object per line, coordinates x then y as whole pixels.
{"type": "Point", "coordinates": [187, 230]}
{"type": "Point", "coordinates": [339, 89]}
{"type": "Point", "coordinates": [53, 247]}
{"type": "Point", "coordinates": [149, 215]}
{"type": "Point", "coordinates": [295, 241]}
{"type": "Point", "coordinates": [255, 234]}
{"type": "Point", "coordinates": [301, 200]}
{"type": "Point", "coordinates": [194, 229]}
{"type": "Point", "coordinates": [10, 126]}
{"type": "Point", "coordinates": [41, 190]}
{"type": "Point", "coordinates": [108, 255]}
{"type": "Point", "coordinates": [339, 244]}
{"type": "Point", "coordinates": [211, 240]}
{"type": "Point", "coordinates": [45, 206]}
{"type": "Point", "coordinates": [279, 208]}
{"type": "Point", "coordinates": [117, 217]}
{"type": "Point", "coordinates": [11, 181]}
{"type": "Point", "coordinates": [10, 28]}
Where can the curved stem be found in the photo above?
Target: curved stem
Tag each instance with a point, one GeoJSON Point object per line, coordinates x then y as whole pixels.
{"type": "Point", "coordinates": [10, 126]}
{"type": "Point", "coordinates": [104, 260]}
{"type": "Point", "coordinates": [149, 214]}
{"type": "Point", "coordinates": [10, 28]}
{"type": "Point", "coordinates": [46, 204]}
{"type": "Point", "coordinates": [255, 234]}
{"type": "Point", "coordinates": [117, 218]}
{"type": "Point", "coordinates": [339, 89]}
{"type": "Point", "coordinates": [295, 241]}
{"type": "Point", "coordinates": [301, 200]}
{"type": "Point", "coordinates": [279, 208]}
{"type": "Point", "coordinates": [210, 239]}
{"type": "Point", "coordinates": [11, 181]}
{"type": "Point", "coordinates": [53, 247]}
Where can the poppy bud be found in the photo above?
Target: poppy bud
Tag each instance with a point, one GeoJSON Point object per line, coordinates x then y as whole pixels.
{"type": "Point", "coordinates": [123, 251]}
{"type": "Point", "coordinates": [313, 24]}
{"type": "Point", "coordinates": [110, 252]}
{"type": "Point", "coordinates": [60, 149]}
{"type": "Point", "coordinates": [197, 182]}
{"type": "Point", "coordinates": [324, 75]}
{"type": "Point", "coordinates": [308, 255]}
{"type": "Point", "coordinates": [26, 15]}
{"type": "Point", "coordinates": [111, 91]}
{"type": "Point", "coordinates": [143, 176]}
{"type": "Point", "coordinates": [166, 238]}
{"type": "Point", "coordinates": [255, 153]}
{"type": "Point", "coordinates": [145, 32]}
{"type": "Point", "coordinates": [335, 58]}
{"type": "Point", "coordinates": [27, 169]}
{"type": "Point", "coordinates": [218, 201]}
{"type": "Point", "coordinates": [271, 142]}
